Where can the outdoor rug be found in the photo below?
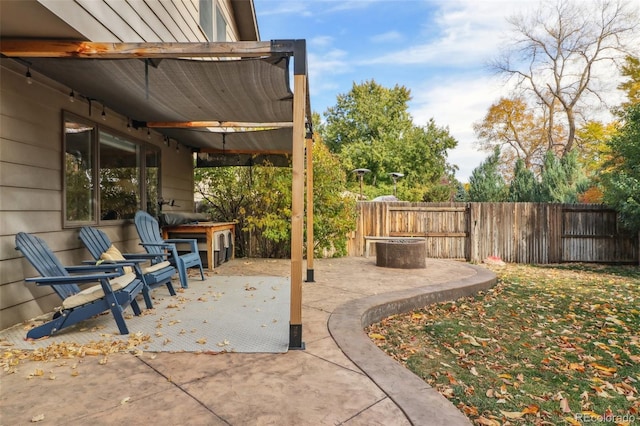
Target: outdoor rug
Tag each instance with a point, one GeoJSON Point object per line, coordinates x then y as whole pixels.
{"type": "Point", "coordinates": [221, 314]}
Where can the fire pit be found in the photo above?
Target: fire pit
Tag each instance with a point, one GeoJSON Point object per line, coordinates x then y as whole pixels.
{"type": "Point", "coordinates": [401, 253]}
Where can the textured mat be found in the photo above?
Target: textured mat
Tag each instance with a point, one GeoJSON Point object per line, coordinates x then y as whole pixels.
{"type": "Point", "coordinates": [232, 314]}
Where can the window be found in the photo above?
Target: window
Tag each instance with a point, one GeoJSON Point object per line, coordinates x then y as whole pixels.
{"type": "Point", "coordinates": [119, 177]}
{"type": "Point", "coordinates": [125, 179]}
{"type": "Point", "coordinates": [221, 26]}
{"type": "Point", "coordinates": [206, 18]}
{"type": "Point", "coordinates": [79, 172]}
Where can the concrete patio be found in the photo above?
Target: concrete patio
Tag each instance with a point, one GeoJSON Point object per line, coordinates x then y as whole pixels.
{"type": "Point", "coordinates": [340, 377]}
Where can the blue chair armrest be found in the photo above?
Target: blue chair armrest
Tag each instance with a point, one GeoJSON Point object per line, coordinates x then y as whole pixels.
{"type": "Point", "coordinates": [192, 242]}
{"type": "Point", "coordinates": [64, 280]}
{"type": "Point", "coordinates": [142, 257]}
{"type": "Point", "coordinates": [103, 267]}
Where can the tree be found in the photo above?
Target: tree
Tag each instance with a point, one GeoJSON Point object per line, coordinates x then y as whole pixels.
{"type": "Point", "coordinates": [562, 179]}
{"type": "Point", "coordinates": [524, 186]}
{"type": "Point", "coordinates": [486, 183]}
{"type": "Point", "coordinates": [370, 127]}
{"type": "Point", "coordinates": [259, 199]}
{"type": "Point", "coordinates": [334, 214]}
{"type": "Point", "coordinates": [558, 53]}
{"type": "Point", "coordinates": [514, 127]}
{"type": "Point", "coordinates": [631, 86]}
{"type": "Point", "coordinates": [621, 178]}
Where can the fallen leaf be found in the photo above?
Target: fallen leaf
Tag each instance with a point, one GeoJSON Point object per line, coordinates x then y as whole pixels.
{"type": "Point", "coordinates": [564, 405]}
{"type": "Point", "coordinates": [125, 400]}
{"type": "Point", "coordinates": [572, 421]}
{"type": "Point", "coordinates": [577, 367]}
{"type": "Point", "coordinates": [377, 336]}
{"type": "Point", "coordinates": [609, 370]}
{"type": "Point", "coordinates": [38, 418]}
{"type": "Point", "coordinates": [487, 422]}
{"type": "Point", "coordinates": [512, 414]}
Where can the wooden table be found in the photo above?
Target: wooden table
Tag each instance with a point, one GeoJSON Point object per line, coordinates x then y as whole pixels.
{"type": "Point", "coordinates": [206, 228]}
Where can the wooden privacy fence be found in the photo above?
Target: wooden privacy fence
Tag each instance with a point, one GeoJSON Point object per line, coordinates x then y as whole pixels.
{"type": "Point", "coordinates": [536, 233]}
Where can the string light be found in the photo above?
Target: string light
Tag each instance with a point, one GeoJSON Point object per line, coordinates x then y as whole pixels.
{"type": "Point", "coordinates": [72, 96]}
{"type": "Point", "coordinates": [177, 147]}
{"type": "Point", "coordinates": [28, 75]}
{"type": "Point", "coordinates": [128, 125]}
{"type": "Point", "coordinates": [104, 114]}
{"type": "Point", "coordinates": [148, 133]}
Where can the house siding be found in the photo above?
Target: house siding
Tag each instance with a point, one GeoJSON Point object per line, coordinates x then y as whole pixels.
{"type": "Point", "coordinates": [31, 141]}
{"type": "Point", "coordinates": [31, 197]}
{"type": "Point", "coordinates": [138, 20]}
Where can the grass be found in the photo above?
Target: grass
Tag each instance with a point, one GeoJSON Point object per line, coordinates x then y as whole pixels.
{"type": "Point", "coordinates": [547, 345]}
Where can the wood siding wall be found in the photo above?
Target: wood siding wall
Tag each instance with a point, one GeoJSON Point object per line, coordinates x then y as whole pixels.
{"type": "Point", "coordinates": [517, 232]}
{"type": "Point", "coordinates": [136, 20]}
{"type": "Point", "coordinates": [31, 195]}
{"type": "Point", "coordinates": [31, 143]}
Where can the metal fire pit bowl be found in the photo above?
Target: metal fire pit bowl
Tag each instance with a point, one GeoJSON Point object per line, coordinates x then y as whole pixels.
{"type": "Point", "coordinates": [401, 253]}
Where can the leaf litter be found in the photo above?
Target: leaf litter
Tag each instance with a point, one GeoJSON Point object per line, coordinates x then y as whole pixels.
{"type": "Point", "coordinates": [546, 345]}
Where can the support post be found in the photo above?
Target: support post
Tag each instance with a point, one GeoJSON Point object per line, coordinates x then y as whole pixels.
{"type": "Point", "coordinates": [310, 240]}
{"type": "Point", "coordinates": [297, 194]}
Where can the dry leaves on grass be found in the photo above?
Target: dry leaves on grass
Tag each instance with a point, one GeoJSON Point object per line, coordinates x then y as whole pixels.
{"type": "Point", "coordinates": [544, 345]}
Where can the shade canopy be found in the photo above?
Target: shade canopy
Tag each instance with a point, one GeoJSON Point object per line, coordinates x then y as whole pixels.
{"type": "Point", "coordinates": [240, 105]}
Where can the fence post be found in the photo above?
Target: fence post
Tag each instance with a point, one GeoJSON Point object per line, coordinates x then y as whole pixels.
{"type": "Point", "coordinates": [554, 218]}
{"type": "Point", "coordinates": [474, 240]}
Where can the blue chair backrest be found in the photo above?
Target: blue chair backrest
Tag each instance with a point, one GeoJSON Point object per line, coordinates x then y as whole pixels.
{"type": "Point", "coordinates": [148, 231]}
{"type": "Point", "coordinates": [46, 263]}
{"type": "Point", "coordinates": [95, 240]}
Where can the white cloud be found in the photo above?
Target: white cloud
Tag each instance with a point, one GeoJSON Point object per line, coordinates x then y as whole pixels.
{"type": "Point", "coordinates": [321, 41]}
{"type": "Point", "coordinates": [457, 102]}
{"type": "Point", "coordinates": [387, 37]}
{"type": "Point", "coordinates": [285, 8]}
{"type": "Point", "coordinates": [461, 33]}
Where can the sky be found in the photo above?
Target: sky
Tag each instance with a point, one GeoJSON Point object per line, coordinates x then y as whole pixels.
{"type": "Point", "coordinates": [438, 49]}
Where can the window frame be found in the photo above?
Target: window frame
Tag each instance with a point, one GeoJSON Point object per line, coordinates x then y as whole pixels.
{"type": "Point", "coordinates": [144, 149]}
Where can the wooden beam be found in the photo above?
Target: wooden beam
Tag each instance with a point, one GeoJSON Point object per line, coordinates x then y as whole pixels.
{"type": "Point", "coordinates": [27, 48]}
{"type": "Point", "coordinates": [243, 151]}
{"type": "Point", "coordinates": [217, 124]}
{"type": "Point", "coordinates": [297, 211]}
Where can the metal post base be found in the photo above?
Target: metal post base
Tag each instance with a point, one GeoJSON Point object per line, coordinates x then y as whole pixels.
{"type": "Point", "coordinates": [310, 276]}
{"type": "Point", "coordinates": [295, 337]}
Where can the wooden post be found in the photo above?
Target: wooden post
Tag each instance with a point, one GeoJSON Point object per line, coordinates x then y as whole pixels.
{"type": "Point", "coordinates": [297, 195]}
{"type": "Point", "coordinates": [310, 241]}
{"type": "Point", "coordinates": [474, 228]}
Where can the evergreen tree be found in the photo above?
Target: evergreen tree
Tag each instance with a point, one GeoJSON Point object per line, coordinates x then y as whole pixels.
{"type": "Point", "coordinates": [621, 181]}
{"type": "Point", "coordinates": [562, 179]}
{"type": "Point", "coordinates": [486, 183]}
{"type": "Point", "coordinates": [524, 187]}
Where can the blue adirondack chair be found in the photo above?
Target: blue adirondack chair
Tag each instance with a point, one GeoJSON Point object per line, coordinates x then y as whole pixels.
{"type": "Point", "coordinates": [101, 248]}
{"type": "Point", "coordinates": [149, 233]}
{"type": "Point", "coordinates": [116, 290]}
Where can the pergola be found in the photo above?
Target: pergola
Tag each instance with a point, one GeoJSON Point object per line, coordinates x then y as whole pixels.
{"type": "Point", "coordinates": [227, 101]}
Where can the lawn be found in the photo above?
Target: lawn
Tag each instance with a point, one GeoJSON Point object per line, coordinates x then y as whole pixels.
{"type": "Point", "coordinates": [547, 345]}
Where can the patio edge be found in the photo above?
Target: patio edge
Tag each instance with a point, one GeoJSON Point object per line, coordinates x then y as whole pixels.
{"type": "Point", "coordinates": [420, 402]}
